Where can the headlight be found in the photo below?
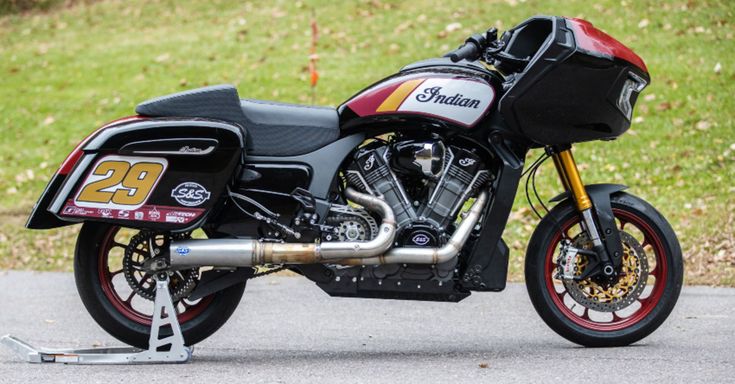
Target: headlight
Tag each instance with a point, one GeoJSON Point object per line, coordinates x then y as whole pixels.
{"type": "Point", "coordinates": [633, 83]}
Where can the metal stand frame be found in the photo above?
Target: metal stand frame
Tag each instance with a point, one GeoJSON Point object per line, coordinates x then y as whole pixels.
{"type": "Point", "coordinates": [164, 313]}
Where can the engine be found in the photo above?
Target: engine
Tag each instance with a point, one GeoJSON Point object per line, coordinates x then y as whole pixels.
{"type": "Point", "coordinates": [426, 183]}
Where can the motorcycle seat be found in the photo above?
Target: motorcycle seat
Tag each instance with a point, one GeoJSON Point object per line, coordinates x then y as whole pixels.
{"type": "Point", "coordinates": [270, 128]}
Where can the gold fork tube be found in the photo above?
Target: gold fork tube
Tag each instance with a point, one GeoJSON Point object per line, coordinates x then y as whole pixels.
{"type": "Point", "coordinates": [569, 174]}
{"type": "Point", "coordinates": [560, 172]}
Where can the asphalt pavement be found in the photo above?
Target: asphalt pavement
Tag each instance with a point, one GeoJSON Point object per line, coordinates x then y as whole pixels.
{"type": "Point", "coordinates": [287, 331]}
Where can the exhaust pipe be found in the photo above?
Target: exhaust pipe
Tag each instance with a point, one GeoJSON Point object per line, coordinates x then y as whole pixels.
{"type": "Point", "coordinates": [246, 253]}
{"type": "Point", "coordinates": [411, 255]}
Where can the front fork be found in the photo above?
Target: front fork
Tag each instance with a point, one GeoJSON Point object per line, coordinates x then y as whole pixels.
{"type": "Point", "coordinates": [572, 182]}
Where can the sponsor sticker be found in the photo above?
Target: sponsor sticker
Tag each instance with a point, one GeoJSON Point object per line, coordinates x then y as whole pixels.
{"type": "Point", "coordinates": [183, 251]}
{"type": "Point", "coordinates": [179, 216]}
{"type": "Point", "coordinates": [420, 239]}
{"type": "Point", "coordinates": [154, 214]}
{"type": "Point", "coordinates": [190, 194]}
{"type": "Point", "coordinates": [71, 210]}
{"type": "Point", "coordinates": [174, 215]}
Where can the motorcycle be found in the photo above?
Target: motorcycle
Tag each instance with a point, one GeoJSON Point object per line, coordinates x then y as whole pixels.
{"type": "Point", "coordinates": [402, 192]}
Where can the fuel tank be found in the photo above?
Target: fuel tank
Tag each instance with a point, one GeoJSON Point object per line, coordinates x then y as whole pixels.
{"type": "Point", "coordinates": [459, 94]}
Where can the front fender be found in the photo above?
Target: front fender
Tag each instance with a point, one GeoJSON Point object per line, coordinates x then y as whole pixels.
{"type": "Point", "coordinates": [603, 190]}
{"type": "Point", "coordinates": [600, 196]}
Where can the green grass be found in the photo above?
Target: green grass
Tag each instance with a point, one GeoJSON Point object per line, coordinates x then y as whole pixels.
{"type": "Point", "coordinates": [67, 71]}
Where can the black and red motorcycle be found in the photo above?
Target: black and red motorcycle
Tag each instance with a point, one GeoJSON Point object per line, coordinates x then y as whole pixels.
{"type": "Point", "coordinates": [403, 192]}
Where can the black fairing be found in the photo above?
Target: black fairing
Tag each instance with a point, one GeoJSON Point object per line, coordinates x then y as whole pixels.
{"type": "Point", "coordinates": [486, 266]}
{"type": "Point", "coordinates": [564, 95]}
{"type": "Point", "coordinates": [40, 217]}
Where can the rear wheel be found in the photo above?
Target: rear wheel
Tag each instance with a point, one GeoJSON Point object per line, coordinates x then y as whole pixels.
{"type": "Point", "coordinates": [118, 292]}
{"type": "Point", "coordinates": [595, 313]}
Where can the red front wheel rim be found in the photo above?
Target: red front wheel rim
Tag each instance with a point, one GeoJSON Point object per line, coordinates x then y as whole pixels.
{"type": "Point", "coordinates": [626, 317]}
{"type": "Point", "coordinates": [127, 303]}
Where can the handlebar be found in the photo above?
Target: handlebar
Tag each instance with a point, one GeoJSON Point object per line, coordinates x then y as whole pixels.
{"type": "Point", "coordinates": [488, 47]}
{"type": "Point", "coordinates": [470, 50]}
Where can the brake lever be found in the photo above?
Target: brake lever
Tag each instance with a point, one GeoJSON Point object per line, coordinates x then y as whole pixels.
{"type": "Point", "coordinates": [491, 36]}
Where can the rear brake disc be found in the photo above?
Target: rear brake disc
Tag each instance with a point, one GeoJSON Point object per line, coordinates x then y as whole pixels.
{"type": "Point", "coordinates": [142, 281]}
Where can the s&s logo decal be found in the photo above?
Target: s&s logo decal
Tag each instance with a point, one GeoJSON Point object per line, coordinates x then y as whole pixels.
{"type": "Point", "coordinates": [420, 239]}
{"type": "Point", "coordinates": [190, 194]}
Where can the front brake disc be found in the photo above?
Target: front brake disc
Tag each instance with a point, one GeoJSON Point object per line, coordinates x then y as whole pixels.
{"type": "Point", "coordinates": [631, 282]}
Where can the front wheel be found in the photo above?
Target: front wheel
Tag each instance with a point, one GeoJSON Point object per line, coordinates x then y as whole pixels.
{"type": "Point", "coordinates": [119, 293]}
{"type": "Point", "coordinates": [594, 313]}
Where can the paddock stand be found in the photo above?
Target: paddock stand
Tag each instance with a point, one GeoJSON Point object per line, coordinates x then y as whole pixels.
{"type": "Point", "coordinates": [164, 313]}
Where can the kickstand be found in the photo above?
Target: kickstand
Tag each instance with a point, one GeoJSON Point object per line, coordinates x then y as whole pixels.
{"type": "Point", "coordinates": [164, 313]}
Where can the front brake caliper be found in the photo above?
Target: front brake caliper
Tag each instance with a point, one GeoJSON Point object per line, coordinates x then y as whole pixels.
{"type": "Point", "coordinates": [567, 261]}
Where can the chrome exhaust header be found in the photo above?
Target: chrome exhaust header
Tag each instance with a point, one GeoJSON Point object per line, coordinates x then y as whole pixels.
{"type": "Point", "coordinates": [246, 253]}
{"type": "Point", "coordinates": [411, 255]}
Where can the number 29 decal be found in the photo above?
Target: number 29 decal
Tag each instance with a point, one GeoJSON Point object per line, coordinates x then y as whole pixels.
{"type": "Point", "coordinates": [121, 182]}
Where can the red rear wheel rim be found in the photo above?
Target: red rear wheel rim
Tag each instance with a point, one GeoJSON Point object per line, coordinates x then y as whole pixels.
{"type": "Point", "coordinates": [124, 305]}
{"type": "Point", "coordinates": [647, 304]}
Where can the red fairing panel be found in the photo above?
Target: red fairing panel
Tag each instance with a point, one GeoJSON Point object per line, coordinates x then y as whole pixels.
{"type": "Point", "coordinates": [593, 40]}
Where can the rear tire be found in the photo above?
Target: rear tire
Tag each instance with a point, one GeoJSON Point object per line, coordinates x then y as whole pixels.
{"type": "Point", "coordinates": [577, 322]}
{"type": "Point", "coordinates": [91, 272]}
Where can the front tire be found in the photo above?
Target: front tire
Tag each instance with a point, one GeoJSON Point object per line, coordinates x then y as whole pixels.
{"type": "Point", "coordinates": [105, 292]}
{"type": "Point", "coordinates": [608, 316]}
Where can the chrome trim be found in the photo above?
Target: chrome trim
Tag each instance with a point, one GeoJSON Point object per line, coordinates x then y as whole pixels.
{"type": "Point", "coordinates": [447, 164]}
{"type": "Point", "coordinates": [589, 222]}
{"type": "Point", "coordinates": [425, 157]}
{"type": "Point", "coordinates": [180, 152]}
